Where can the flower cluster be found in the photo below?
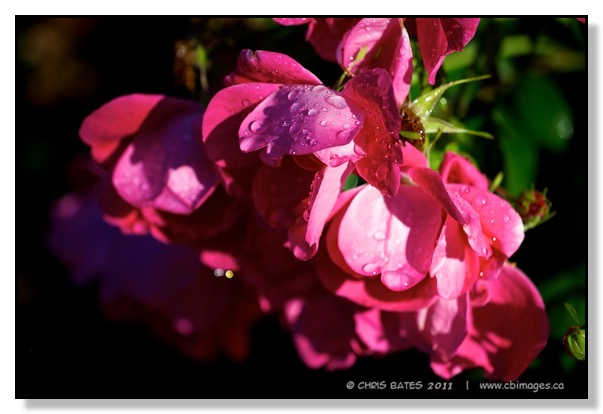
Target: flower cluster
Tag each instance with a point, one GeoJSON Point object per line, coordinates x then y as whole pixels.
{"type": "Point", "coordinates": [241, 209]}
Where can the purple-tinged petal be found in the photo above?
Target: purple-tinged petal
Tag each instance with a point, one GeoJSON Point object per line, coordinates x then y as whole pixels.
{"type": "Point", "coordinates": [223, 117]}
{"type": "Point", "coordinates": [507, 334]}
{"type": "Point", "coordinates": [456, 169]}
{"type": "Point", "coordinates": [269, 67]}
{"type": "Point", "coordinates": [501, 224]}
{"type": "Point", "coordinates": [106, 127]}
{"type": "Point", "coordinates": [164, 166]}
{"type": "Point", "coordinates": [380, 332]}
{"type": "Point", "coordinates": [372, 90]}
{"type": "Point", "coordinates": [396, 237]}
{"type": "Point", "coordinates": [385, 44]}
{"type": "Point", "coordinates": [323, 330]}
{"type": "Point", "coordinates": [298, 120]}
{"type": "Point", "coordinates": [335, 156]}
{"type": "Point", "coordinates": [454, 264]}
{"type": "Point", "coordinates": [440, 37]}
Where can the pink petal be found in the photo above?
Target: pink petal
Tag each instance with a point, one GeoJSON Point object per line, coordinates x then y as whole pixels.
{"type": "Point", "coordinates": [456, 169]}
{"type": "Point", "coordinates": [292, 21]}
{"type": "Point", "coordinates": [508, 333]}
{"type": "Point", "coordinates": [324, 191]}
{"type": "Point", "coordinates": [372, 90]}
{"type": "Point", "coordinates": [379, 331]}
{"type": "Point", "coordinates": [323, 330]}
{"type": "Point", "coordinates": [501, 224]}
{"type": "Point", "coordinates": [440, 37]}
{"type": "Point", "coordinates": [300, 119]}
{"type": "Point", "coordinates": [386, 45]}
{"type": "Point", "coordinates": [118, 119]}
{"type": "Point", "coordinates": [454, 264]}
{"type": "Point", "coordinates": [335, 156]}
{"type": "Point", "coordinates": [269, 67]}
{"type": "Point", "coordinates": [370, 292]}
{"type": "Point", "coordinates": [165, 166]}
{"type": "Point", "coordinates": [413, 157]}
{"type": "Point", "coordinates": [396, 237]}
{"type": "Point", "coordinates": [223, 117]}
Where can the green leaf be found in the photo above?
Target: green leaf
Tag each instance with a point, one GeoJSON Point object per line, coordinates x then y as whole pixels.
{"type": "Point", "coordinates": [424, 104]}
{"type": "Point", "coordinates": [435, 124]}
{"type": "Point", "coordinates": [572, 312]}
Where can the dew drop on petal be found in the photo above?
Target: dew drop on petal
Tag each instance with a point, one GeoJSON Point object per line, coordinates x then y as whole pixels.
{"type": "Point", "coordinates": [323, 123]}
{"type": "Point", "coordinates": [379, 235]}
{"type": "Point", "coordinates": [337, 101]}
{"type": "Point", "coordinates": [370, 268]}
{"type": "Point", "coordinates": [256, 127]}
{"type": "Point", "coordinates": [313, 112]}
{"type": "Point", "coordinates": [296, 108]}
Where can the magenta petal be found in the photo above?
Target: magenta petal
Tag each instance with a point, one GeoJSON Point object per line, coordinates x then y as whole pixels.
{"type": "Point", "coordinates": [292, 21]}
{"type": "Point", "coordinates": [508, 332]}
{"type": "Point", "coordinates": [454, 264]}
{"type": "Point", "coordinates": [456, 169]}
{"type": "Point", "coordinates": [372, 90]}
{"type": "Point", "coordinates": [396, 237]}
{"type": "Point", "coordinates": [385, 44]}
{"type": "Point", "coordinates": [447, 325]}
{"type": "Point", "coordinates": [223, 117]}
{"type": "Point", "coordinates": [164, 166]}
{"type": "Point", "coordinates": [298, 120]}
{"type": "Point", "coordinates": [325, 34]}
{"type": "Point", "coordinates": [114, 121]}
{"type": "Point", "coordinates": [440, 37]}
{"type": "Point", "coordinates": [380, 332]}
{"type": "Point", "coordinates": [269, 67]}
{"type": "Point", "coordinates": [500, 222]}
{"type": "Point", "coordinates": [335, 156]}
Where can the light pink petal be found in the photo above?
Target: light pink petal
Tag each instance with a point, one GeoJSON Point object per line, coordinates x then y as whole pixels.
{"type": "Point", "coordinates": [501, 224]}
{"type": "Point", "coordinates": [456, 169]}
{"type": "Point", "coordinates": [393, 237]}
{"type": "Point", "coordinates": [454, 264]}
{"type": "Point", "coordinates": [106, 127]}
{"type": "Point", "coordinates": [385, 44]}
{"type": "Point", "coordinates": [298, 120]}
{"type": "Point", "coordinates": [277, 193]}
{"type": "Point", "coordinates": [440, 37]}
{"type": "Point", "coordinates": [223, 117]}
{"type": "Point", "coordinates": [372, 90]}
{"type": "Point", "coordinates": [369, 291]}
{"type": "Point", "coordinates": [269, 67]}
{"type": "Point", "coordinates": [508, 333]}
{"type": "Point", "coordinates": [165, 166]}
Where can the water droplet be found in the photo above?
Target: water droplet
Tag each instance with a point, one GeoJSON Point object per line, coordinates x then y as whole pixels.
{"type": "Point", "coordinates": [381, 173]}
{"type": "Point", "coordinates": [337, 101]}
{"type": "Point", "coordinates": [484, 251]}
{"type": "Point", "coordinates": [245, 102]}
{"type": "Point", "coordinates": [346, 126]}
{"type": "Point", "coordinates": [312, 142]}
{"type": "Point", "coordinates": [370, 268]}
{"type": "Point", "coordinates": [277, 130]}
{"type": "Point", "coordinates": [465, 189]}
{"type": "Point", "coordinates": [219, 272]}
{"type": "Point", "coordinates": [256, 127]}
{"type": "Point", "coordinates": [313, 112]}
{"type": "Point", "coordinates": [295, 128]}
{"type": "Point", "coordinates": [492, 221]}
{"type": "Point", "coordinates": [481, 274]}
{"type": "Point", "coordinates": [319, 88]}
{"type": "Point", "coordinates": [323, 123]}
{"type": "Point", "coordinates": [494, 239]}
{"type": "Point", "coordinates": [296, 108]}
{"type": "Point", "coordinates": [479, 201]}
{"type": "Point", "coordinates": [183, 326]}
{"type": "Point", "coordinates": [379, 235]}
{"type": "Point", "coordinates": [506, 219]}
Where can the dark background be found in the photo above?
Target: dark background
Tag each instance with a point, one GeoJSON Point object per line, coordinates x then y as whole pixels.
{"type": "Point", "coordinates": [65, 348]}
